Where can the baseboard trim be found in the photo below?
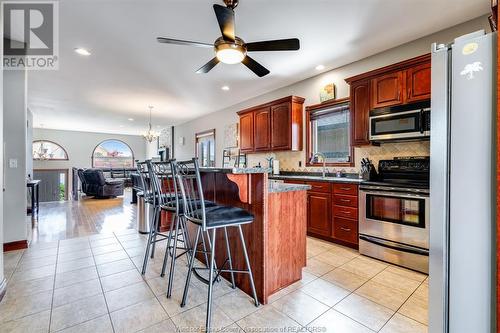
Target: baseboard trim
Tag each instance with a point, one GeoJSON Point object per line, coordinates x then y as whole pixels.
{"type": "Point", "coordinates": [17, 245]}
{"type": "Point", "coordinates": [3, 289]}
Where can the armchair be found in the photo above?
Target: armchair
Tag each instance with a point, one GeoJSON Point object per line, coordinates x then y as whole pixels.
{"type": "Point", "coordinates": [98, 186]}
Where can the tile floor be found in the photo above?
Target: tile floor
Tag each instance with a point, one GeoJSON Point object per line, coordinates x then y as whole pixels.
{"type": "Point", "coordinates": [93, 284]}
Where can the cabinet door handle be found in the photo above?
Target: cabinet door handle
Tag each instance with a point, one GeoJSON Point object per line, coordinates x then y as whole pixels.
{"type": "Point", "coordinates": [345, 229]}
{"type": "Point", "coordinates": [345, 212]}
{"type": "Point", "coordinates": [345, 188]}
{"type": "Point", "coordinates": [345, 200]}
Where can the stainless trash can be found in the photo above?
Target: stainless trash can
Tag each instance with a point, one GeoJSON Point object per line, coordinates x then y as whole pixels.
{"type": "Point", "coordinates": [143, 214]}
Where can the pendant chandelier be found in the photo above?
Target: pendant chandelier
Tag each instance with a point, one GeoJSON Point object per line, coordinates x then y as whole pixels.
{"type": "Point", "coordinates": [42, 153]}
{"type": "Point", "coordinates": [150, 135]}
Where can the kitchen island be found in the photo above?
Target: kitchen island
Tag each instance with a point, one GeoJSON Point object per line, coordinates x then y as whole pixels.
{"type": "Point", "coordinates": [276, 240]}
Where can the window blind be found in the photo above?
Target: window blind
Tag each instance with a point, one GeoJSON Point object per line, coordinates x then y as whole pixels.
{"type": "Point", "coordinates": [328, 111]}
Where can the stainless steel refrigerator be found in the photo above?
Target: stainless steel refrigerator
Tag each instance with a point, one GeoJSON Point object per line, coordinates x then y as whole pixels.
{"type": "Point", "coordinates": [462, 187]}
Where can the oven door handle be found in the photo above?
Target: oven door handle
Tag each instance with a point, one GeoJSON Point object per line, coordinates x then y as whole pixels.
{"type": "Point", "coordinates": [394, 194]}
{"type": "Point", "coordinates": [394, 245]}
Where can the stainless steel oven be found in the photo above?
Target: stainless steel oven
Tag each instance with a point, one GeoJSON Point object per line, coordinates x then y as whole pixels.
{"type": "Point", "coordinates": [394, 225]}
{"type": "Point", "coordinates": [396, 124]}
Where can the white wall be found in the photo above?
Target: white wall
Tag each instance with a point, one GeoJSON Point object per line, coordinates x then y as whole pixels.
{"type": "Point", "coordinates": [2, 278]}
{"type": "Point", "coordinates": [151, 149]}
{"type": "Point", "coordinates": [80, 145]}
{"type": "Point", "coordinates": [310, 88]}
{"type": "Point", "coordinates": [29, 140]}
{"type": "Point", "coordinates": [14, 127]}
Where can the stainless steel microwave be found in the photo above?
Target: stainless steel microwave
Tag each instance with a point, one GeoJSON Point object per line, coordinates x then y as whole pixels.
{"type": "Point", "coordinates": [400, 124]}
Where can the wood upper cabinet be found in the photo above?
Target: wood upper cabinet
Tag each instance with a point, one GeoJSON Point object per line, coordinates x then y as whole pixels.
{"type": "Point", "coordinates": [273, 126]}
{"type": "Point", "coordinates": [246, 132]}
{"type": "Point", "coordinates": [281, 125]}
{"type": "Point", "coordinates": [397, 84]}
{"type": "Point", "coordinates": [360, 111]}
{"type": "Point", "coordinates": [319, 219]}
{"type": "Point", "coordinates": [387, 90]}
{"type": "Point", "coordinates": [418, 83]}
{"type": "Point", "coordinates": [262, 129]}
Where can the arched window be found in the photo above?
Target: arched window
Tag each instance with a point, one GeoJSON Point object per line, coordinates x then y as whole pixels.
{"type": "Point", "coordinates": [112, 154]}
{"type": "Point", "coordinates": [48, 150]}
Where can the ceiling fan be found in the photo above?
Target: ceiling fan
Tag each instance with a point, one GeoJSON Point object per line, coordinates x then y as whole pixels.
{"type": "Point", "coordinates": [231, 49]}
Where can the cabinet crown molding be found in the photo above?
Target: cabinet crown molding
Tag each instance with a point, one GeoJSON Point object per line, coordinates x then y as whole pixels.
{"type": "Point", "coordinates": [391, 68]}
{"type": "Point", "coordinates": [292, 98]}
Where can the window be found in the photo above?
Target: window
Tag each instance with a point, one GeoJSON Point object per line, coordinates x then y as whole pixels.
{"type": "Point", "coordinates": [112, 154]}
{"type": "Point", "coordinates": [48, 150]}
{"type": "Point", "coordinates": [205, 148]}
{"type": "Point", "coordinates": [329, 133]}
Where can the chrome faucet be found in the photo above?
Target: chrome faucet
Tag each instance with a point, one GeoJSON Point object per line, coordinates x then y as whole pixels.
{"type": "Point", "coordinates": [324, 162]}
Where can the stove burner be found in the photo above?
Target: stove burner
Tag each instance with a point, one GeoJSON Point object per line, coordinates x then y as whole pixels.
{"type": "Point", "coordinates": [404, 172]}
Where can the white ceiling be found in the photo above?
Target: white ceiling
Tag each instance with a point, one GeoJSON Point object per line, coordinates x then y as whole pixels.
{"type": "Point", "coordinates": [128, 70]}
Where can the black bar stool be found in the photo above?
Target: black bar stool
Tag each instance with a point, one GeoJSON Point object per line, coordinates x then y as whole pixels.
{"type": "Point", "coordinates": [164, 185]}
{"type": "Point", "coordinates": [172, 203]}
{"type": "Point", "coordinates": [151, 198]}
{"type": "Point", "coordinates": [209, 219]}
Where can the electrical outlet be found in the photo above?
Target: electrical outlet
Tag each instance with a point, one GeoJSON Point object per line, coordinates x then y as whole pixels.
{"type": "Point", "coordinates": [300, 164]}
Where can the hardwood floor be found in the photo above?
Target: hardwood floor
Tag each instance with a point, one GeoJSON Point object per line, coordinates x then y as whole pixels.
{"type": "Point", "coordinates": [88, 216]}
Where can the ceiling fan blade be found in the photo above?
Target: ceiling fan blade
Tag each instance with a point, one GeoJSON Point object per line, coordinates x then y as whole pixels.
{"type": "Point", "coordinates": [182, 42]}
{"type": "Point", "coordinates": [208, 66]}
{"type": "Point", "coordinates": [255, 67]}
{"type": "Point", "coordinates": [225, 17]}
{"type": "Point", "coordinates": [291, 44]}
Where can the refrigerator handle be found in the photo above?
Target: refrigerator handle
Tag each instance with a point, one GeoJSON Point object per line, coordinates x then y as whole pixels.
{"type": "Point", "coordinates": [422, 122]}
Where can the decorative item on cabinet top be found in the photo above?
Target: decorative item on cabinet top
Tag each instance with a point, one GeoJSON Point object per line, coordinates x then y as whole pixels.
{"type": "Point", "coordinates": [273, 126]}
{"type": "Point", "coordinates": [327, 92]}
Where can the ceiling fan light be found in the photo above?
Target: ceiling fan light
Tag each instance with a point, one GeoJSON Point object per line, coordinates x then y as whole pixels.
{"type": "Point", "coordinates": [230, 55]}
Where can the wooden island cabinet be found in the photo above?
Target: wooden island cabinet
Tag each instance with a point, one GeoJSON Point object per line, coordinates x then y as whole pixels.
{"type": "Point", "coordinates": [273, 126]}
{"type": "Point", "coordinates": [276, 239]}
{"type": "Point", "coordinates": [405, 82]}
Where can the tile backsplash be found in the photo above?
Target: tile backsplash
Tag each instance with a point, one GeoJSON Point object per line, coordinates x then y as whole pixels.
{"type": "Point", "coordinates": [289, 161]}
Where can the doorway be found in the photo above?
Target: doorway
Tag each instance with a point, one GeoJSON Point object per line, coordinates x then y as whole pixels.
{"type": "Point", "coordinates": [53, 185]}
{"type": "Point", "coordinates": [205, 148]}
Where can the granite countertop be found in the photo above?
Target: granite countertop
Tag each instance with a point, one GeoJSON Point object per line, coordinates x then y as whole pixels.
{"type": "Point", "coordinates": [319, 178]}
{"type": "Point", "coordinates": [277, 187]}
{"type": "Point", "coordinates": [237, 170]}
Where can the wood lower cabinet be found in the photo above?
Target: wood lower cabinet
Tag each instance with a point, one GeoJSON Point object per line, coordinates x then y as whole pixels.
{"type": "Point", "coordinates": [332, 211]}
{"type": "Point", "coordinates": [418, 83]}
{"type": "Point", "coordinates": [345, 230]}
{"type": "Point", "coordinates": [319, 213]}
{"type": "Point", "coordinates": [320, 187]}
{"type": "Point", "coordinates": [274, 126]}
{"type": "Point", "coordinates": [345, 200]}
{"type": "Point", "coordinates": [387, 90]}
{"type": "Point", "coordinates": [343, 188]}
{"type": "Point", "coordinates": [246, 132]}
{"type": "Point", "coordinates": [345, 214]}
{"type": "Point", "coordinates": [262, 129]}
